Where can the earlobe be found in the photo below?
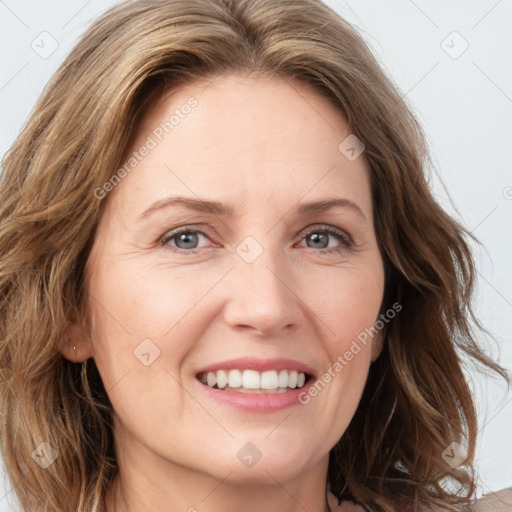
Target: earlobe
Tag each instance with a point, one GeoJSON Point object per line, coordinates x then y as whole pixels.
{"type": "Point", "coordinates": [76, 345]}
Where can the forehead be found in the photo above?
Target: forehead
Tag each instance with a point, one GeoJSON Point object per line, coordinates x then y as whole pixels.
{"type": "Point", "coordinates": [243, 137]}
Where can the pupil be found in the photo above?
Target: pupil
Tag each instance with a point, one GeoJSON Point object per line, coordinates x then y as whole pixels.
{"type": "Point", "coordinates": [319, 237]}
{"type": "Point", "coordinates": [187, 238]}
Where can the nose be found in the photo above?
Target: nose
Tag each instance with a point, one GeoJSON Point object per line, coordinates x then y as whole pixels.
{"type": "Point", "coordinates": [262, 297]}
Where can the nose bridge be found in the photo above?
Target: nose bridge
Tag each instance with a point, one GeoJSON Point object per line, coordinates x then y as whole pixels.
{"type": "Point", "coordinates": [260, 295]}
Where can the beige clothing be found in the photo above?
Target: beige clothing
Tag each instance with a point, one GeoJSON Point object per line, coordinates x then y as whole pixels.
{"type": "Point", "coordinates": [496, 502]}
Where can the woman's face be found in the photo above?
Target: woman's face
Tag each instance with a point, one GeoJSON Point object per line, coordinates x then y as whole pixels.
{"type": "Point", "coordinates": [239, 274]}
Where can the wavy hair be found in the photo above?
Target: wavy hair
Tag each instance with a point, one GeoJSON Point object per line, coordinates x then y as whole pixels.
{"type": "Point", "coordinates": [417, 400]}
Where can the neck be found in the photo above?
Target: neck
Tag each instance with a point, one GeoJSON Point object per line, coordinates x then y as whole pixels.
{"type": "Point", "coordinates": [123, 498]}
{"type": "Point", "coordinates": [146, 482]}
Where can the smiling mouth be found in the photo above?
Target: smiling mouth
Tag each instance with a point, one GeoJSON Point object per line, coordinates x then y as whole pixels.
{"type": "Point", "coordinates": [255, 382]}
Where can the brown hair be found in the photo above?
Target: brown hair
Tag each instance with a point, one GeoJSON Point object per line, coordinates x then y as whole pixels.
{"type": "Point", "coordinates": [416, 401]}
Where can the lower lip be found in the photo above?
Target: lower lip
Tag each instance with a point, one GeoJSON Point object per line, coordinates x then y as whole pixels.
{"type": "Point", "coordinates": [257, 402]}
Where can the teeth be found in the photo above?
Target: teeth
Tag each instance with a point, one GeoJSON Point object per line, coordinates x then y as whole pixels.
{"type": "Point", "coordinates": [211, 379]}
{"type": "Point", "coordinates": [270, 380]}
{"type": "Point", "coordinates": [283, 379]}
{"type": "Point", "coordinates": [251, 379]}
{"type": "Point", "coordinates": [247, 381]}
{"type": "Point", "coordinates": [235, 379]}
{"type": "Point", "coordinates": [222, 379]}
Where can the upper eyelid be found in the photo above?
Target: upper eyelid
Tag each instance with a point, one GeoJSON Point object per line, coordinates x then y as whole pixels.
{"type": "Point", "coordinates": [323, 227]}
{"type": "Point", "coordinates": [184, 229]}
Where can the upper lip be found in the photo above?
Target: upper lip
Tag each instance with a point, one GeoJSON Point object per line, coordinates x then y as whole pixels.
{"type": "Point", "coordinates": [261, 365]}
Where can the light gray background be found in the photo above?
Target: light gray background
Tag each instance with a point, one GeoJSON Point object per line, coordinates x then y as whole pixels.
{"type": "Point", "coordinates": [464, 103]}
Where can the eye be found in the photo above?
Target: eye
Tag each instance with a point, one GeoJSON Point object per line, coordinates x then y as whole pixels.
{"type": "Point", "coordinates": [183, 240]}
{"type": "Point", "coordinates": [318, 237]}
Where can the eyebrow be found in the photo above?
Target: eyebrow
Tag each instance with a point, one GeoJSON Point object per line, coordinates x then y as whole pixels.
{"type": "Point", "coordinates": [216, 208]}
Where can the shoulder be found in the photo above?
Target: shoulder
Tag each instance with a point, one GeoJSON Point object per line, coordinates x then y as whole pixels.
{"type": "Point", "coordinates": [500, 501]}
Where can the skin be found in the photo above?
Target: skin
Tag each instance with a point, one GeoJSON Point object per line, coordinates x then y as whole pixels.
{"type": "Point", "coordinates": [263, 146]}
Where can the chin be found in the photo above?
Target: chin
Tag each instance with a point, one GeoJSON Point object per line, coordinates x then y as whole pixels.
{"type": "Point", "coordinates": [263, 460]}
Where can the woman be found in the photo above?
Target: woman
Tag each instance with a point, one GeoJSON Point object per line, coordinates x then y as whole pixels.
{"type": "Point", "coordinates": [172, 338]}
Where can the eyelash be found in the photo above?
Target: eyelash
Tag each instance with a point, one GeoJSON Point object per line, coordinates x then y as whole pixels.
{"type": "Point", "coordinates": [347, 244]}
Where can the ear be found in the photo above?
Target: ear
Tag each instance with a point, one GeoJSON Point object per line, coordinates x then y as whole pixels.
{"type": "Point", "coordinates": [76, 345]}
{"type": "Point", "coordinates": [377, 345]}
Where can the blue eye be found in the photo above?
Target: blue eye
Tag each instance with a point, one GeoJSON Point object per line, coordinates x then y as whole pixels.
{"type": "Point", "coordinates": [319, 237]}
{"type": "Point", "coordinates": [185, 240]}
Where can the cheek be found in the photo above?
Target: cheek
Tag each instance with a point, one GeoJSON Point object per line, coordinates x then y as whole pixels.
{"type": "Point", "coordinates": [135, 301]}
{"type": "Point", "coordinates": [135, 320]}
{"type": "Point", "coordinates": [137, 312]}
{"type": "Point", "coordinates": [348, 304]}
